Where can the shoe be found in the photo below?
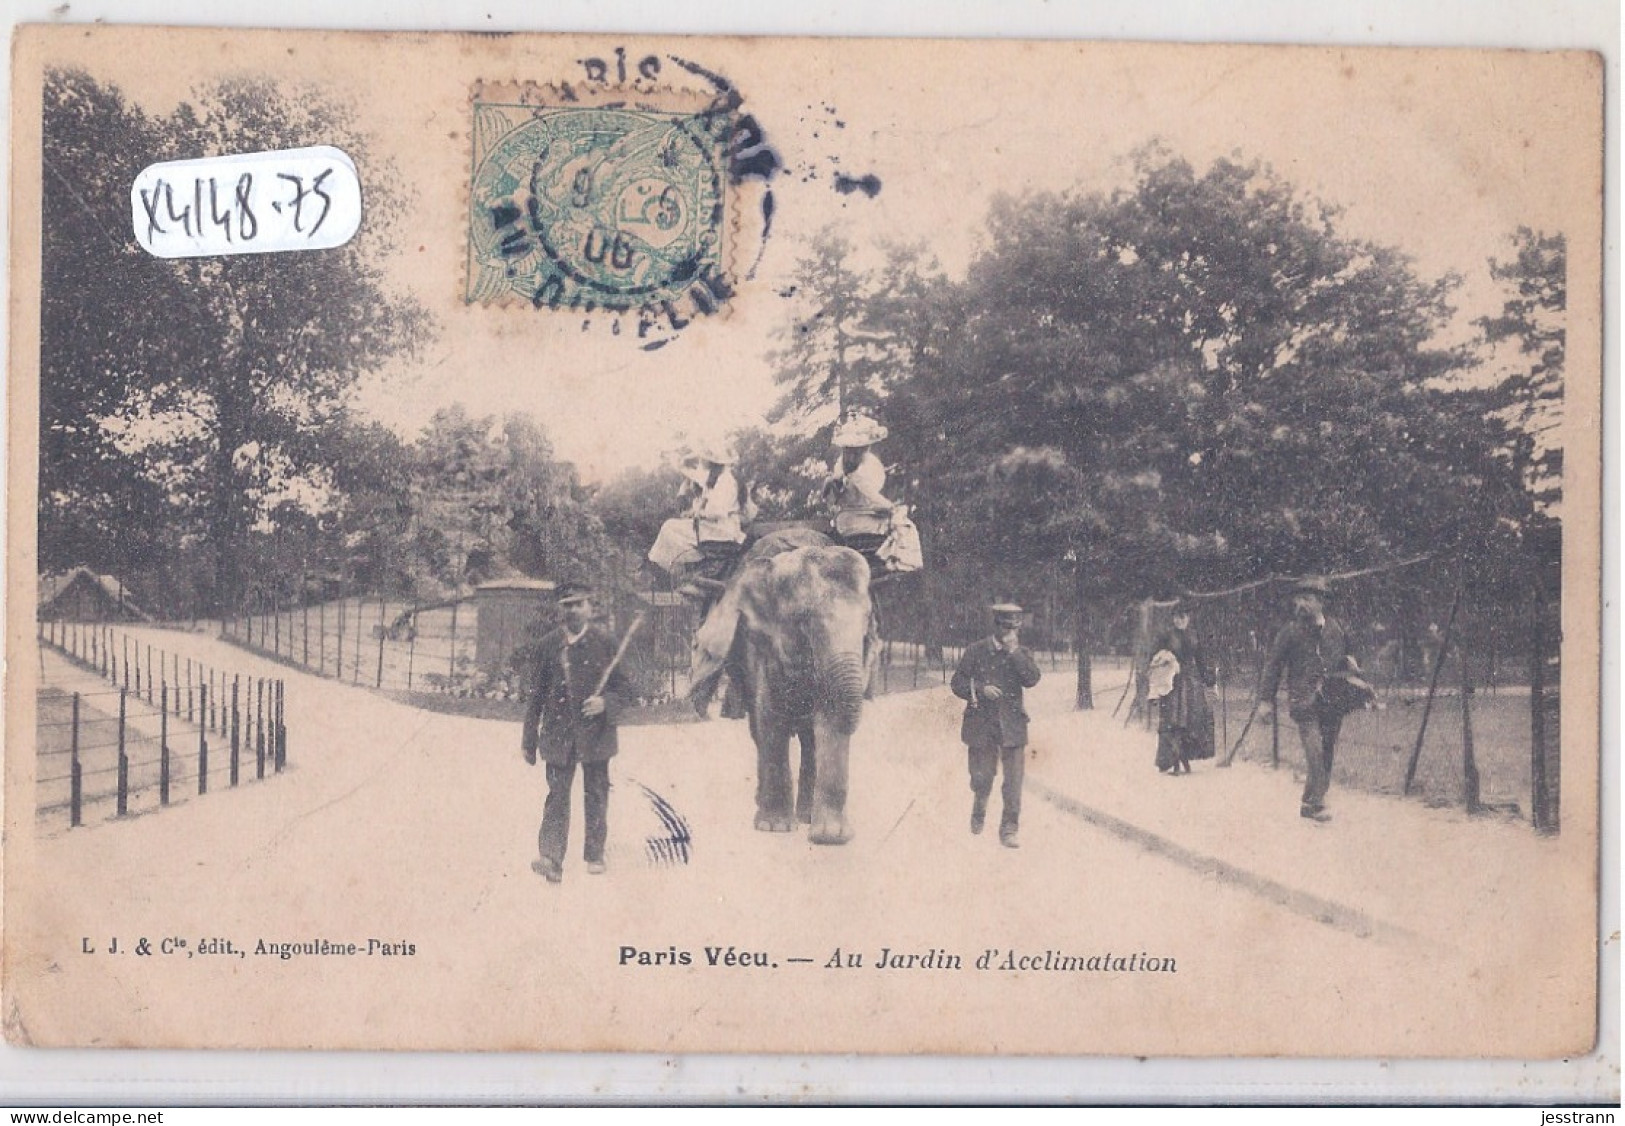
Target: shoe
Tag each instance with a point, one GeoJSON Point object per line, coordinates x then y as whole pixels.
{"type": "Point", "coordinates": [551, 869]}
{"type": "Point", "coordinates": [977, 818]}
{"type": "Point", "coordinates": [1008, 839]}
{"type": "Point", "coordinates": [595, 867]}
{"type": "Point", "coordinates": [1315, 814]}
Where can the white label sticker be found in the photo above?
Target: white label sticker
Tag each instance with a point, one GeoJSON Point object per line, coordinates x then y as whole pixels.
{"type": "Point", "coordinates": [257, 203]}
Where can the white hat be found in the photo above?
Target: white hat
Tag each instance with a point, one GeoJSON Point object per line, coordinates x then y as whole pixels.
{"type": "Point", "coordinates": [857, 430]}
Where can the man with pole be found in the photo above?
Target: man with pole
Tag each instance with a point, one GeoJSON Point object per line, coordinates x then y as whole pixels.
{"type": "Point", "coordinates": [576, 694]}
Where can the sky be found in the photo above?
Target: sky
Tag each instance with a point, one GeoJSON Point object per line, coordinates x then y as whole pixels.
{"type": "Point", "coordinates": [1440, 153]}
{"type": "Point", "coordinates": [1442, 156]}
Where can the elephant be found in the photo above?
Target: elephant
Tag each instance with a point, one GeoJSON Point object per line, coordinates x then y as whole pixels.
{"type": "Point", "coordinates": [793, 624]}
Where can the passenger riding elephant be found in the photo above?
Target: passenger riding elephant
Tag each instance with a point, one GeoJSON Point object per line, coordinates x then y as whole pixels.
{"type": "Point", "coordinates": [794, 622]}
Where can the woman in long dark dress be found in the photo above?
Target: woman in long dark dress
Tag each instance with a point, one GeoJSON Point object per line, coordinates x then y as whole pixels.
{"type": "Point", "coordinates": [1185, 721]}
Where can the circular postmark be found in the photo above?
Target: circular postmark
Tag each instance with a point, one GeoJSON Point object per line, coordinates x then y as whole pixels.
{"type": "Point", "coordinates": [608, 208]}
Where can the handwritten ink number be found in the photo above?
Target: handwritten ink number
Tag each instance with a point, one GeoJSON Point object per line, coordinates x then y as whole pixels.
{"type": "Point", "coordinates": [298, 201]}
{"type": "Point", "coordinates": [247, 225]}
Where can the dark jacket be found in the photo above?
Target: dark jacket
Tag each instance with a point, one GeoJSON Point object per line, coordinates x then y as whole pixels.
{"type": "Point", "coordinates": [564, 676]}
{"type": "Point", "coordinates": [1001, 722]}
{"type": "Point", "coordinates": [1305, 656]}
{"type": "Point", "coordinates": [1192, 662]}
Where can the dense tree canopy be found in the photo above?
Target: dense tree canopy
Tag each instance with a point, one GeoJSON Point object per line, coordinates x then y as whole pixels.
{"type": "Point", "coordinates": [199, 394]}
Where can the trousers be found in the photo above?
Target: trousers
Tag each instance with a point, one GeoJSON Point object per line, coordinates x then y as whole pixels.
{"type": "Point", "coordinates": [555, 832]}
{"type": "Point", "coordinates": [984, 763]}
{"type": "Point", "coordinates": [1317, 731]}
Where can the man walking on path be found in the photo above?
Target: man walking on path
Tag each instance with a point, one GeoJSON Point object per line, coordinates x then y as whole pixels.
{"type": "Point", "coordinates": [990, 679]}
{"type": "Point", "coordinates": [1309, 650]}
{"type": "Point", "coordinates": [575, 698]}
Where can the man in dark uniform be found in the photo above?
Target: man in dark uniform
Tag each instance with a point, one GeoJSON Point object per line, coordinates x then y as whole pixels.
{"type": "Point", "coordinates": [990, 679]}
{"type": "Point", "coordinates": [575, 699]}
{"type": "Point", "coordinates": [1308, 650]}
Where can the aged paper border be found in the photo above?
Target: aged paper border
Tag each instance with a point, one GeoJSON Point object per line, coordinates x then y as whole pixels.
{"type": "Point", "coordinates": [253, 1076]}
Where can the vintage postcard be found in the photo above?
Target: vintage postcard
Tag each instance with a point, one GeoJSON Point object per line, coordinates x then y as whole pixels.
{"type": "Point", "coordinates": [682, 545]}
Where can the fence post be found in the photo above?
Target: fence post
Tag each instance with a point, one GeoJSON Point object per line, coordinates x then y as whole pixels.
{"type": "Point", "coordinates": [235, 719]}
{"type": "Point", "coordinates": [76, 784]}
{"type": "Point", "coordinates": [381, 612]}
{"type": "Point", "coordinates": [163, 745]}
{"type": "Point", "coordinates": [451, 661]}
{"type": "Point", "coordinates": [259, 726]}
{"type": "Point", "coordinates": [190, 715]}
{"type": "Point", "coordinates": [411, 650]}
{"type": "Point", "coordinates": [321, 638]}
{"type": "Point", "coordinates": [355, 665]}
{"type": "Point", "coordinates": [281, 726]}
{"type": "Point", "coordinates": [234, 761]}
{"type": "Point", "coordinates": [304, 629]}
{"type": "Point", "coordinates": [202, 757]}
{"type": "Point", "coordinates": [1469, 762]}
{"type": "Point", "coordinates": [1540, 795]}
{"type": "Point", "coordinates": [276, 625]}
{"type": "Point", "coordinates": [338, 652]}
{"type": "Point", "coordinates": [138, 670]}
{"type": "Point", "coordinates": [1275, 738]}
{"type": "Point", "coordinates": [123, 758]}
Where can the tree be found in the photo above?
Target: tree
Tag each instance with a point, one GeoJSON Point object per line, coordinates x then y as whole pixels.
{"type": "Point", "coordinates": [848, 342]}
{"type": "Point", "coordinates": [217, 384]}
{"type": "Point", "coordinates": [489, 500]}
{"type": "Point", "coordinates": [1531, 395]}
{"type": "Point", "coordinates": [1193, 381]}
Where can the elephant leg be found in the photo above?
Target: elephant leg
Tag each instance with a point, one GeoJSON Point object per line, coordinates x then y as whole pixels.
{"type": "Point", "coordinates": [773, 810]}
{"type": "Point", "coordinates": [829, 824]}
{"type": "Point", "coordinates": [807, 777]}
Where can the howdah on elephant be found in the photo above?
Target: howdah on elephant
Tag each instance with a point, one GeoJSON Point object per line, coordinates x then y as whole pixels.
{"type": "Point", "coordinates": [793, 626]}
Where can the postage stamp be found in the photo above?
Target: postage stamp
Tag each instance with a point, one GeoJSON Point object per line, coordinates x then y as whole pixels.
{"type": "Point", "coordinates": [617, 207]}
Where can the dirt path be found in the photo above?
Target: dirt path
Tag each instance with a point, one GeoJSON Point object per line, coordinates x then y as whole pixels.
{"type": "Point", "coordinates": [414, 830]}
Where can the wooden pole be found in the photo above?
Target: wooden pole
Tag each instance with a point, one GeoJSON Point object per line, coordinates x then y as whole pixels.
{"type": "Point", "coordinates": [381, 613]}
{"type": "Point", "coordinates": [203, 756]}
{"type": "Point", "coordinates": [76, 782]}
{"type": "Point", "coordinates": [1540, 796]}
{"type": "Point", "coordinates": [123, 758]}
{"type": "Point", "coordinates": [281, 726]}
{"type": "Point", "coordinates": [411, 650]}
{"type": "Point", "coordinates": [163, 746]}
{"type": "Point", "coordinates": [259, 727]}
{"type": "Point", "coordinates": [1469, 762]}
{"type": "Point", "coordinates": [451, 661]}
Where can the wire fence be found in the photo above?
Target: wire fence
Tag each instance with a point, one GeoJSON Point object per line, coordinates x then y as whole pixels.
{"type": "Point", "coordinates": [166, 727]}
{"type": "Point", "coordinates": [1467, 695]}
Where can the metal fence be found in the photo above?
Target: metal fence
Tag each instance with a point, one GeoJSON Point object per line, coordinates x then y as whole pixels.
{"type": "Point", "coordinates": [167, 725]}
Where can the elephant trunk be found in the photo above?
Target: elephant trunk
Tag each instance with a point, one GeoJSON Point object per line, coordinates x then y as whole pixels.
{"type": "Point", "coordinates": [842, 680]}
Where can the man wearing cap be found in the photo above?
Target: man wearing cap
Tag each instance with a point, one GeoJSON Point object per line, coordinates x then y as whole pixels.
{"type": "Point", "coordinates": [1308, 650]}
{"type": "Point", "coordinates": [575, 698]}
{"type": "Point", "coordinates": [990, 678]}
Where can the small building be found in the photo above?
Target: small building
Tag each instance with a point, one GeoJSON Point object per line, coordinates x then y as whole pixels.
{"type": "Point", "coordinates": [507, 612]}
{"type": "Point", "coordinates": [81, 595]}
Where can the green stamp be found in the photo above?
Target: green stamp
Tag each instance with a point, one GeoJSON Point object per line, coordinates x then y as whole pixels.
{"type": "Point", "coordinates": [597, 208]}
